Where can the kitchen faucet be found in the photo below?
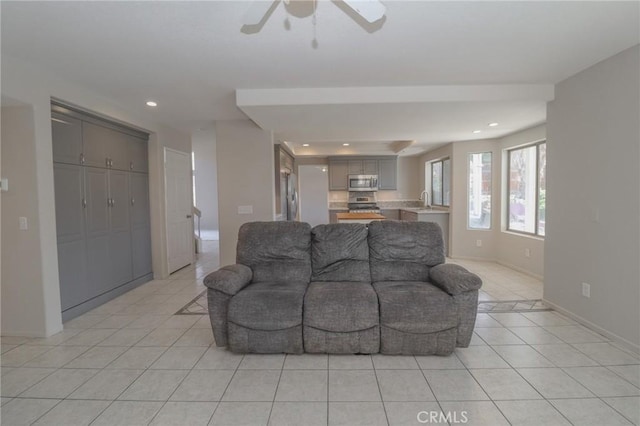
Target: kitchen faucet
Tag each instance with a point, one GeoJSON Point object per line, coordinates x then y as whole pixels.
{"type": "Point", "coordinates": [424, 196]}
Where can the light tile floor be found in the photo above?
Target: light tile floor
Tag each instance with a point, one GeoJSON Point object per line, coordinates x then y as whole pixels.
{"type": "Point", "coordinates": [132, 362]}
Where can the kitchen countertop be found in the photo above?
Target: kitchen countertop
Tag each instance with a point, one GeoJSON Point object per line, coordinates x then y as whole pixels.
{"type": "Point", "coordinates": [359, 216]}
{"type": "Point", "coordinates": [422, 210]}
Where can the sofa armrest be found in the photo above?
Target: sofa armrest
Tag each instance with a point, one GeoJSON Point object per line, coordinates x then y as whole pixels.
{"type": "Point", "coordinates": [454, 279]}
{"type": "Point", "coordinates": [229, 279]}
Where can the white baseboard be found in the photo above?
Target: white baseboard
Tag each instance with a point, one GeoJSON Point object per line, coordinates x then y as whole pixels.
{"type": "Point", "coordinates": [519, 269]}
{"type": "Point", "coordinates": [500, 262]}
{"type": "Point", "coordinates": [620, 341]}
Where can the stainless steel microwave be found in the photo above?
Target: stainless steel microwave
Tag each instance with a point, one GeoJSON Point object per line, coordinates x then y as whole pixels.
{"type": "Point", "coordinates": [363, 182]}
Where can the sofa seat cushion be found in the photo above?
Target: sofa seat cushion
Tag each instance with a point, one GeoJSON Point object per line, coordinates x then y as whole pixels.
{"type": "Point", "coordinates": [415, 307]}
{"type": "Point", "coordinates": [341, 306]}
{"type": "Point", "coordinates": [274, 305]}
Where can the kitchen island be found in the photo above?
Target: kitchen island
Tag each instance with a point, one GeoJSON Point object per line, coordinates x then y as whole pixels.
{"type": "Point", "coordinates": [358, 217]}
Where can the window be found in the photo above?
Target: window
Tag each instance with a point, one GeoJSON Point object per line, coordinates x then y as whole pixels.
{"type": "Point", "coordinates": [527, 184]}
{"type": "Point", "coordinates": [479, 196]}
{"type": "Point", "coordinates": [440, 182]}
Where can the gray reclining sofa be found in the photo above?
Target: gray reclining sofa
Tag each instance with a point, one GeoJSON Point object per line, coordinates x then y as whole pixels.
{"type": "Point", "coordinates": [342, 288]}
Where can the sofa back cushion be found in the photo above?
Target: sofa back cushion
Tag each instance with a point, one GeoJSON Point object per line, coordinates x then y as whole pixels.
{"type": "Point", "coordinates": [339, 252]}
{"type": "Point", "coordinates": [276, 251]}
{"type": "Point", "coordinates": [404, 251]}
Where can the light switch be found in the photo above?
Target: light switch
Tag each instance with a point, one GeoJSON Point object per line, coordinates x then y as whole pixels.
{"type": "Point", "coordinates": [4, 184]}
{"type": "Point", "coordinates": [23, 223]}
{"type": "Point", "coordinates": [245, 209]}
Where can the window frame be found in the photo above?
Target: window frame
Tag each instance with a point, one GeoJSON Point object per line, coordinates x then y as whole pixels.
{"type": "Point", "coordinates": [431, 164]}
{"type": "Point", "coordinates": [536, 232]}
{"type": "Point", "coordinates": [491, 177]}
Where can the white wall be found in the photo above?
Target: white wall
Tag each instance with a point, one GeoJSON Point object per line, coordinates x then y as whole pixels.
{"type": "Point", "coordinates": [21, 249]}
{"type": "Point", "coordinates": [34, 88]}
{"type": "Point", "coordinates": [593, 196]}
{"type": "Point", "coordinates": [245, 178]}
{"type": "Point", "coordinates": [463, 240]}
{"type": "Point", "coordinates": [203, 143]}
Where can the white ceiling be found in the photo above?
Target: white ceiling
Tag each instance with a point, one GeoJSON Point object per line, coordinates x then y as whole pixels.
{"type": "Point", "coordinates": [191, 57]}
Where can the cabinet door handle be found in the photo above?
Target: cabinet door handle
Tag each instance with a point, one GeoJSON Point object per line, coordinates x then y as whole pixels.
{"type": "Point", "coordinates": [84, 203]}
{"type": "Point", "coordinates": [131, 165]}
{"type": "Point", "coordinates": [113, 202]}
{"type": "Point", "coordinates": [81, 158]}
{"type": "Point", "coordinates": [133, 201]}
{"type": "Point", "coordinates": [106, 162]}
{"type": "Point", "coordinates": [108, 202]}
{"type": "Point", "coordinates": [110, 162]}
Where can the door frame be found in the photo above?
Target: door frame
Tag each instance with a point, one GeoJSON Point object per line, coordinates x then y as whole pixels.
{"type": "Point", "coordinates": [166, 209]}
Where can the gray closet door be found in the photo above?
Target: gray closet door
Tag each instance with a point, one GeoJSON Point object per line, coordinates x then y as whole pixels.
{"type": "Point", "coordinates": [98, 265]}
{"type": "Point", "coordinates": [141, 245]}
{"type": "Point", "coordinates": [138, 157]}
{"type": "Point", "coordinates": [70, 226]}
{"type": "Point", "coordinates": [139, 199]}
{"type": "Point", "coordinates": [67, 139]}
{"type": "Point", "coordinates": [120, 228]}
{"type": "Point", "coordinates": [69, 194]}
{"type": "Point", "coordinates": [141, 235]}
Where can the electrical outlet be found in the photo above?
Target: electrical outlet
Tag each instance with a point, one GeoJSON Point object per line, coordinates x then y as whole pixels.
{"type": "Point", "coordinates": [478, 243]}
{"type": "Point", "coordinates": [527, 252]}
{"type": "Point", "coordinates": [245, 209]}
{"type": "Point", "coordinates": [22, 221]}
{"type": "Point", "coordinates": [586, 290]}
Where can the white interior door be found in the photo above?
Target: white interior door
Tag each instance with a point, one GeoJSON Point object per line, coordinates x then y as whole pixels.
{"type": "Point", "coordinates": [177, 184]}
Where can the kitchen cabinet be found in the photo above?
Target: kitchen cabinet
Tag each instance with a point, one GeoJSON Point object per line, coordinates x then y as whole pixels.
{"type": "Point", "coordinates": [363, 167]}
{"type": "Point", "coordinates": [102, 210]}
{"type": "Point", "coordinates": [390, 214]}
{"type": "Point", "coordinates": [383, 166]}
{"type": "Point", "coordinates": [333, 215]}
{"type": "Point", "coordinates": [388, 174]}
{"type": "Point", "coordinates": [338, 175]}
{"type": "Point", "coordinates": [440, 217]}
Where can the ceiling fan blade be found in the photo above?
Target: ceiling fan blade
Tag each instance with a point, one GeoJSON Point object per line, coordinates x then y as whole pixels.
{"type": "Point", "coordinates": [258, 11]}
{"type": "Point", "coordinates": [370, 10]}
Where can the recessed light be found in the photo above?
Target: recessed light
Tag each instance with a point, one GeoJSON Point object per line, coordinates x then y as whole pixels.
{"type": "Point", "coordinates": [493, 124]}
{"type": "Point", "coordinates": [152, 104]}
{"type": "Point", "coordinates": [345, 144]}
{"type": "Point", "coordinates": [305, 144]}
{"type": "Point", "coordinates": [476, 131]}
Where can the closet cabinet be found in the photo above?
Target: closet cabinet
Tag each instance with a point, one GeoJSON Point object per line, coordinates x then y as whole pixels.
{"type": "Point", "coordinates": [102, 210]}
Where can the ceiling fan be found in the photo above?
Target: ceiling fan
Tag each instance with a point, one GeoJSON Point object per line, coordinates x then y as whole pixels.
{"type": "Point", "coordinates": [371, 11]}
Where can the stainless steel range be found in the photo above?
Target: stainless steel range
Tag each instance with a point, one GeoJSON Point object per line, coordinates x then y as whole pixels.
{"type": "Point", "coordinates": [363, 202]}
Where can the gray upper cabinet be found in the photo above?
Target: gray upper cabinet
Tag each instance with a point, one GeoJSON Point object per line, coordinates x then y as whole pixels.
{"type": "Point", "coordinates": [388, 174]}
{"type": "Point", "coordinates": [383, 166]}
{"type": "Point", "coordinates": [104, 147]}
{"type": "Point", "coordinates": [363, 167]}
{"type": "Point", "coordinates": [95, 142]}
{"type": "Point", "coordinates": [67, 139]}
{"type": "Point", "coordinates": [138, 157]}
{"type": "Point", "coordinates": [97, 200]}
{"type": "Point", "coordinates": [338, 172]}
